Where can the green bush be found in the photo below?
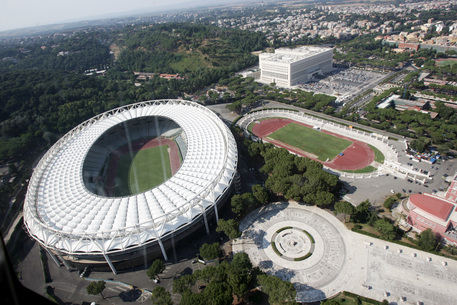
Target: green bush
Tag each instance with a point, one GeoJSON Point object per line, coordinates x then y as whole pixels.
{"type": "Point", "coordinates": [309, 236]}
{"type": "Point", "coordinates": [273, 245]}
{"type": "Point", "coordinates": [301, 258]}
{"type": "Point", "coordinates": [282, 229]}
{"type": "Point", "coordinates": [389, 202]}
{"type": "Point", "coordinates": [362, 298]}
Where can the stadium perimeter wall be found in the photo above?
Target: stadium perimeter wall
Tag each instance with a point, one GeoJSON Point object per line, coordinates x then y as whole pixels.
{"type": "Point", "coordinates": [123, 243]}
{"type": "Point", "coordinates": [381, 143]}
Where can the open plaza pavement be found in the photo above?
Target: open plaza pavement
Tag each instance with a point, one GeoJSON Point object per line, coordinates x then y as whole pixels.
{"type": "Point", "coordinates": [342, 260]}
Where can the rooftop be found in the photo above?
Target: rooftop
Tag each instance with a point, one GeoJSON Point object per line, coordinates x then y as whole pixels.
{"type": "Point", "coordinates": [433, 205]}
{"type": "Point", "coordinates": [286, 55]}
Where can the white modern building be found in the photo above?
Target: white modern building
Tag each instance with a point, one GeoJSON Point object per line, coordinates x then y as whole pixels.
{"type": "Point", "coordinates": [288, 67]}
{"type": "Point", "coordinates": [77, 224]}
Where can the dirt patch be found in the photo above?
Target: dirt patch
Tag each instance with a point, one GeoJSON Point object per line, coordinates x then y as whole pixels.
{"type": "Point", "coordinates": [116, 51]}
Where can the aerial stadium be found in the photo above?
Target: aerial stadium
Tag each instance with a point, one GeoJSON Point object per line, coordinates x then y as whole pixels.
{"type": "Point", "coordinates": [131, 181]}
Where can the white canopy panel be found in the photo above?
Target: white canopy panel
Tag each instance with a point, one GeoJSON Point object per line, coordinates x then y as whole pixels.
{"type": "Point", "coordinates": [62, 214]}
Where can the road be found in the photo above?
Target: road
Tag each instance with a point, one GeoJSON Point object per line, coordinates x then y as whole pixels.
{"type": "Point", "coordinates": [231, 116]}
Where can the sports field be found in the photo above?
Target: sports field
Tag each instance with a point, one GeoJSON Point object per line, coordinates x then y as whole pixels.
{"type": "Point", "coordinates": [320, 144]}
{"type": "Point", "coordinates": [447, 62]}
{"type": "Point", "coordinates": [141, 171]}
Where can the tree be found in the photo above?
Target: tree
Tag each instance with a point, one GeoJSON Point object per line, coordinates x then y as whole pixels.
{"type": "Point", "coordinates": [389, 202]}
{"type": "Point", "coordinates": [427, 240]}
{"type": "Point", "coordinates": [218, 293]}
{"type": "Point", "coordinates": [239, 282]}
{"type": "Point", "coordinates": [184, 283]}
{"type": "Point", "coordinates": [278, 291]}
{"type": "Point", "coordinates": [345, 208]}
{"type": "Point", "coordinates": [229, 227]}
{"type": "Point", "coordinates": [155, 268]}
{"type": "Point", "coordinates": [161, 297]}
{"type": "Point", "coordinates": [239, 274]}
{"type": "Point", "coordinates": [235, 106]}
{"type": "Point", "coordinates": [324, 198]}
{"type": "Point", "coordinates": [385, 228]}
{"type": "Point", "coordinates": [237, 203]}
{"type": "Point", "coordinates": [212, 273]}
{"type": "Point", "coordinates": [418, 145]}
{"type": "Point", "coordinates": [363, 212]}
{"type": "Point", "coordinates": [241, 262]}
{"type": "Point", "coordinates": [260, 193]}
{"type": "Point", "coordinates": [210, 251]}
{"type": "Point", "coordinates": [96, 288]}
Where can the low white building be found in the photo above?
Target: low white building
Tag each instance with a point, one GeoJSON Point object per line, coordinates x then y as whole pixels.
{"type": "Point", "coordinates": [288, 67]}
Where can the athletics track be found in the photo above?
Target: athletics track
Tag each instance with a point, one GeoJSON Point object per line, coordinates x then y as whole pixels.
{"type": "Point", "coordinates": [356, 156]}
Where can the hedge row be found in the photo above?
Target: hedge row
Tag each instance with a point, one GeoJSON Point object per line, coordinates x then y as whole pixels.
{"type": "Point", "coordinates": [282, 229]}
{"type": "Point", "coordinates": [309, 236]}
{"type": "Point", "coordinates": [303, 257]}
{"type": "Point", "coordinates": [402, 243]}
{"type": "Point", "coordinates": [275, 249]}
{"type": "Point", "coordinates": [362, 298]}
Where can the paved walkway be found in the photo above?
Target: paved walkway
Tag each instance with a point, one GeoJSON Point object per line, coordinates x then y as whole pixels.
{"type": "Point", "coordinates": [341, 259]}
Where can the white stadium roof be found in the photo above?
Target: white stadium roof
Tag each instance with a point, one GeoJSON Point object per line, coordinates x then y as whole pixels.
{"type": "Point", "coordinates": [63, 215]}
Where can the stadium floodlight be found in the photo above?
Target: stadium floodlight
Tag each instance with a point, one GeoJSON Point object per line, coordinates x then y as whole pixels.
{"type": "Point", "coordinates": [70, 220]}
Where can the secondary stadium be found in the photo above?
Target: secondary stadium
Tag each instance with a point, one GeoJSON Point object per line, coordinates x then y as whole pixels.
{"type": "Point", "coordinates": [129, 182]}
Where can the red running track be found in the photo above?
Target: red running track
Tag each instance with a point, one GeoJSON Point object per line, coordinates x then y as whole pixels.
{"type": "Point", "coordinates": [358, 155]}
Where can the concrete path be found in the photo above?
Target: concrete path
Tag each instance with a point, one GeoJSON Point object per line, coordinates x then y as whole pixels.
{"type": "Point", "coordinates": [341, 259]}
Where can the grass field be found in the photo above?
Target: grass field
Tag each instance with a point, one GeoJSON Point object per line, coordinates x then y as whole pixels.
{"type": "Point", "coordinates": [142, 171]}
{"type": "Point", "coordinates": [323, 145]}
{"type": "Point", "coordinates": [364, 170]}
{"type": "Point", "coordinates": [447, 63]}
{"type": "Point", "coordinates": [378, 155]}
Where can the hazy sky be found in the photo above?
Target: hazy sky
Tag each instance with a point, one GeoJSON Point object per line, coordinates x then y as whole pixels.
{"type": "Point", "coordinates": [25, 13]}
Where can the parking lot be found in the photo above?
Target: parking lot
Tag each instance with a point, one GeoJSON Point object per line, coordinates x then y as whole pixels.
{"type": "Point", "coordinates": [378, 188]}
{"type": "Point", "coordinates": [344, 82]}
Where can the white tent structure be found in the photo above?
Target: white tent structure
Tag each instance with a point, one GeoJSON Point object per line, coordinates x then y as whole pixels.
{"type": "Point", "coordinates": [66, 218]}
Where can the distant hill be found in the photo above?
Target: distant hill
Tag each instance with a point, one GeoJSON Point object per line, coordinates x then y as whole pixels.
{"type": "Point", "coordinates": [186, 48]}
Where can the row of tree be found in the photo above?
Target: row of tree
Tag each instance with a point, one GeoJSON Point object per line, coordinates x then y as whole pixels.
{"type": "Point", "coordinates": [220, 283]}
{"type": "Point", "coordinates": [247, 93]}
{"type": "Point", "coordinates": [365, 213]}
{"type": "Point", "coordinates": [294, 177]}
{"type": "Point", "coordinates": [440, 131]}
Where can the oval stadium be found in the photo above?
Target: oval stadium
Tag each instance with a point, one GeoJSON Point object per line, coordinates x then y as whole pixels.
{"type": "Point", "coordinates": [130, 182]}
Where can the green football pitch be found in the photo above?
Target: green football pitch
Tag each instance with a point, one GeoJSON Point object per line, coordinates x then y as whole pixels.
{"type": "Point", "coordinates": [447, 63]}
{"type": "Point", "coordinates": [323, 145]}
{"type": "Point", "coordinates": [142, 170]}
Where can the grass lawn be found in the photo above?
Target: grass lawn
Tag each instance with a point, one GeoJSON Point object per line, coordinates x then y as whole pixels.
{"type": "Point", "coordinates": [190, 62]}
{"type": "Point", "coordinates": [352, 300]}
{"type": "Point", "coordinates": [378, 155]}
{"type": "Point", "coordinates": [364, 170]}
{"type": "Point", "coordinates": [323, 145]}
{"type": "Point", "coordinates": [447, 63]}
{"type": "Point", "coordinates": [142, 171]}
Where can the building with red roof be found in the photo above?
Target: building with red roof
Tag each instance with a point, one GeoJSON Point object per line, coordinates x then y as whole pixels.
{"type": "Point", "coordinates": [427, 211]}
{"type": "Point", "coordinates": [408, 46]}
{"type": "Point", "coordinates": [451, 193]}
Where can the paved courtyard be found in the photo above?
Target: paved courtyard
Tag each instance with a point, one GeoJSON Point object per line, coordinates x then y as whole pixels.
{"type": "Point", "coordinates": [321, 257]}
